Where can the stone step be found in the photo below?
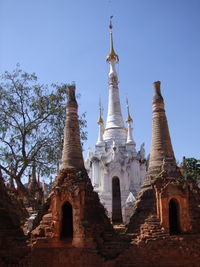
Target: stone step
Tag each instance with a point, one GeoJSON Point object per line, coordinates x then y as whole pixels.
{"type": "Point", "coordinates": [152, 223]}
{"type": "Point", "coordinates": [152, 230]}
{"type": "Point", "coordinates": [155, 233]}
{"type": "Point", "coordinates": [150, 220]}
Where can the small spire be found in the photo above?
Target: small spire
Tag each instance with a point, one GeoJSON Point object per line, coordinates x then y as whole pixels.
{"type": "Point", "coordinates": [112, 55]}
{"type": "Point", "coordinates": [183, 167]}
{"type": "Point", "coordinates": [184, 162]}
{"type": "Point", "coordinates": [33, 176]}
{"type": "Point", "coordinates": [100, 120]}
{"type": "Point", "coordinates": [129, 119]}
{"type": "Point", "coordinates": [101, 125]}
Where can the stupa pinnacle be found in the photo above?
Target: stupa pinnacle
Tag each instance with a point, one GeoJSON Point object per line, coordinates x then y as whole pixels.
{"type": "Point", "coordinates": [114, 125]}
{"type": "Point", "coordinates": [72, 151]}
{"type": "Point", "coordinates": [112, 55]}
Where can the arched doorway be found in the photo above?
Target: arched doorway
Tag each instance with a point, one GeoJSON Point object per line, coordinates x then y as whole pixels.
{"type": "Point", "coordinates": [174, 217]}
{"type": "Point", "coordinates": [67, 221]}
{"type": "Point", "coordinates": [116, 201]}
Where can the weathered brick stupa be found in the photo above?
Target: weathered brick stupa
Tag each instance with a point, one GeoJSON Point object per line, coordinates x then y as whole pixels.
{"type": "Point", "coordinates": [167, 203]}
{"type": "Point", "coordinates": [161, 149]}
{"type": "Point", "coordinates": [74, 215]}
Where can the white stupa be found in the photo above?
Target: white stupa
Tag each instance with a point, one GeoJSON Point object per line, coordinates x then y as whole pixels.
{"type": "Point", "coordinates": [116, 169]}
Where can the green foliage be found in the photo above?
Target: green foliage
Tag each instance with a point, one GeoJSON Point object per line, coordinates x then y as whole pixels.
{"type": "Point", "coordinates": [192, 168]}
{"type": "Point", "coordinates": [32, 119]}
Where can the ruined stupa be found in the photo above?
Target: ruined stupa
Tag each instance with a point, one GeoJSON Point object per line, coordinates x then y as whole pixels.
{"type": "Point", "coordinates": [167, 203]}
{"type": "Point", "coordinates": [73, 213]}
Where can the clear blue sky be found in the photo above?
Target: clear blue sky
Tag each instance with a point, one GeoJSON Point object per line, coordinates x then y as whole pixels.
{"type": "Point", "coordinates": [68, 40]}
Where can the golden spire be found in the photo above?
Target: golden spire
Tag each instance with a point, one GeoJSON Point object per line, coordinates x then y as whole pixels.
{"type": "Point", "coordinates": [129, 119]}
{"type": "Point", "coordinates": [112, 55]}
{"type": "Point", "coordinates": [100, 120]}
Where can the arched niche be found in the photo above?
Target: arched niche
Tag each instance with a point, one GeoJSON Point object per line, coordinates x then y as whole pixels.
{"type": "Point", "coordinates": [67, 221]}
{"type": "Point", "coordinates": [116, 201]}
{"type": "Point", "coordinates": [174, 217]}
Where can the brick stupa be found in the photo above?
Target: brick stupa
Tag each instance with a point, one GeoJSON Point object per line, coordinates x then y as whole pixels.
{"type": "Point", "coordinates": [73, 213]}
{"type": "Point", "coordinates": [167, 203]}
